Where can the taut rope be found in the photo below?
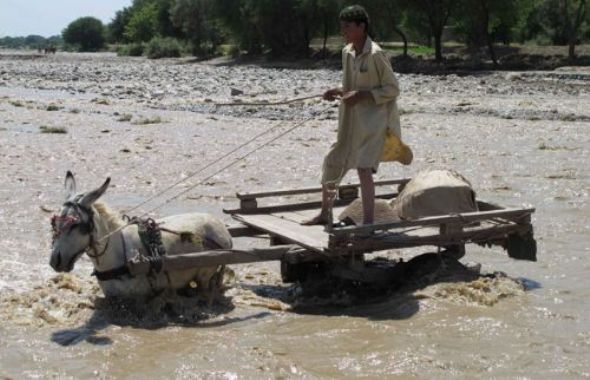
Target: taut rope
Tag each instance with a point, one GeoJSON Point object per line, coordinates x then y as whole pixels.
{"type": "Point", "coordinates": [297, 125]}
{"type": "Point", "coordinates": [226, 154]}
{"type": "Point", "coordinates": [266, 103]}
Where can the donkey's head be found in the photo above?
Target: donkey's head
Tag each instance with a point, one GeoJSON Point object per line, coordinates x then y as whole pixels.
{"type": "Point", "coordinates": [74, 229]}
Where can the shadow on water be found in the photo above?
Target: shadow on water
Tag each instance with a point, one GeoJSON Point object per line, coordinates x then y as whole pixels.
{"type": "Point", "coordinates": [394, 299]}
{"type": "Point", "coordinates": [529, 284]}
{"type": "Point", "coordinates": [85, 333]}
{"type": "Point", "coordinates": [152, 314]}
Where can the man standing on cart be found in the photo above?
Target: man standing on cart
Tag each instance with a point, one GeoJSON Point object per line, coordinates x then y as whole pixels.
{"type": "Point", "coordinates": [367, 110]}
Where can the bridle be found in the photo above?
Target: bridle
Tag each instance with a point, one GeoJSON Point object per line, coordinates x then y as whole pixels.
{"type": "Point", "coordinates": [85, 227]}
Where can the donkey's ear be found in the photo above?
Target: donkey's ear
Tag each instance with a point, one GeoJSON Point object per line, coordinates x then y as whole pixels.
{"type": "Point", "coordinates": [89, 198]}
{"type": "Point", "coordinates": [70, 185]}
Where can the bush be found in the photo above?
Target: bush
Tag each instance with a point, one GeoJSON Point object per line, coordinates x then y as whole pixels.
{"type": "Point", "coordinates": [165, 47]}
{"type": "Point", "coordinates": [87, 33]}
{"type": "Point", "coordinates": [131, 50]}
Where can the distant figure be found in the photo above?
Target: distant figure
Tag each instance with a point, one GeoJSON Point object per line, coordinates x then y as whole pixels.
{"type": "Point", "coordinates": [50, 49]}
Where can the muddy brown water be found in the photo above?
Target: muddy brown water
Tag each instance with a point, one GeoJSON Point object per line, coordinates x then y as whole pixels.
{"type": "Point", "coordinates": [520, 139]}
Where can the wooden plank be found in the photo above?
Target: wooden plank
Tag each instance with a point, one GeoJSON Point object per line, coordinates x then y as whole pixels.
{"type": "Point", "coordinates": [311, 237]}
{"type": "Point", "coordinates": [298, 206]}
{"type": "Point", "coordinates": [217, 257]}
{"type": "Point", "coordinates": [487, 206]}
{"type": "Point", "coordinates": [275, 193]}
{"type": "Point", "coordinates": [302, 215]}
{"type": "Point", "coordinates": [296, 217]}
{"type": "Point", "coordinates": [428, 236]}
{"type": "Point", "coordinates": [436, 220]}
{"type": "Point", "coordinates": [239, 230]}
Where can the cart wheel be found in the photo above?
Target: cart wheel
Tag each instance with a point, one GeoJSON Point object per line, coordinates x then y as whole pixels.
{"type": "Point", "coordinates": [456, 251]}
{"type": "Point", "coordinates": [301, 271]}
{"type": "Point", "coordinates": [289, 272]}
{"type": "Point", "coordinates": [522, 247]}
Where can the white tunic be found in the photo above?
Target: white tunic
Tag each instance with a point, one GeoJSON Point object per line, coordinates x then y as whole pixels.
{"type": "Point", "coordinates": [362, 127]}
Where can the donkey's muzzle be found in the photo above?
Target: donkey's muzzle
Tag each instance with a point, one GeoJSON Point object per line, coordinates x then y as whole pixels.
{"type": "Point", "coordinates": [56, 262]}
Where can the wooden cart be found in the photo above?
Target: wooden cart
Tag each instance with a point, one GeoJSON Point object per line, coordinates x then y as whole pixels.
{"type": "Point", "coordinates": [341, 250]}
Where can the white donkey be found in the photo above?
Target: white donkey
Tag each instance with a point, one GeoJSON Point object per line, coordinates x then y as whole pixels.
{"type": "Point", "coordinates": [85, 225]}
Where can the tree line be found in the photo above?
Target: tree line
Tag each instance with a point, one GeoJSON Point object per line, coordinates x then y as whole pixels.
{"type": "Point", "coordinates": [32, 41]}
{"type": "Point", "coordinates": [287, 27]}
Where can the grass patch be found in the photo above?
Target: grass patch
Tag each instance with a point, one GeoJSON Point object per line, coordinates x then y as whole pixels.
{"type": "Point", "coordinates": [149, 120]}
{"type": "Point", "coordinates": [103, 101]}
{"type": "Point", "coordinates": [17, 103]}
{"type": "Point", "coordinates": [52, 107]}
{"type": "Point", "coordinates": [74, 110]}
{"type": "Point", "coordinates": [412, 49]}
{"type": "Point", "coordinates": [125, 117]}
{"type": "Point", "coordinates": [544, 146]}
{"type": "Point", "coordinates": [47, 129]}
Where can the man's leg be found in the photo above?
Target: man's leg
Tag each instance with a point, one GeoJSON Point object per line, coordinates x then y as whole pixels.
{"type": "Point", "coordinates": [367, 194]}
{"type": "Point", "coordinates": [328, 194]}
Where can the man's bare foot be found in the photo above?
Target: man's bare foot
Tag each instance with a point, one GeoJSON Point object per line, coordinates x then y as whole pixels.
{"type": "Point", "coordinates": [315, 221]}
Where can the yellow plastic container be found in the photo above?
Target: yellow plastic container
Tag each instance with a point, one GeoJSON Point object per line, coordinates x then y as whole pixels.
{"type": "Point", "coordinates": [395, 150]}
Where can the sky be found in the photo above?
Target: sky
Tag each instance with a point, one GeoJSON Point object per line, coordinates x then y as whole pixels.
{"type": "Point", "coordinates": [50, 17]}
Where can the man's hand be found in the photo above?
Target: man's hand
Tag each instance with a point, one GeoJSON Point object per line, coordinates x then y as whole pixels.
{"type": "Point", "coordinates": [333, 94]}
{"type": "Point", "coordinates": [351, 98]}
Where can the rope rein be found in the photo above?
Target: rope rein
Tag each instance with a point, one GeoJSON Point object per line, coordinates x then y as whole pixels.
{"type": "Point", "coordinates": [232, 163]}
{"type": "Point", "coordinates": [224, 155]}
{"type": "Point", "coordinates": [266, 103]}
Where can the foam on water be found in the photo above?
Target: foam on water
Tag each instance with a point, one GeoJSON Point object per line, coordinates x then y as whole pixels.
{"type": "Point", "coordinates": [484, 291]}
{"type": "Point", "coordinates": [66, 300]}
{"type": "Point", "coordinates": [63, 300]}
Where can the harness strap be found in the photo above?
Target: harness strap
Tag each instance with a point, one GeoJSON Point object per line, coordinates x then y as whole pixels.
{"type": "Point", "coordinates": [156, 265]}
{"type": "Point", "coordinates": [116, 273]}
{"type": "Point", "coordinates": [151, 238]}
{"type": "Point", "coordinates": [150, 234]}
{"type": "Point", "coordinates": [112, 274]}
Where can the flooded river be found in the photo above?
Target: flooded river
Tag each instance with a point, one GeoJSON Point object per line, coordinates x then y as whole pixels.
{"type": "Point", "coordinates": [520, 138]}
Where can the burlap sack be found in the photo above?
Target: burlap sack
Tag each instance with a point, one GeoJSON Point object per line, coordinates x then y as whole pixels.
{"type": "Point", "coordinates": [435, 192]}
{"type": "Point", "coordinates": [383, 212]}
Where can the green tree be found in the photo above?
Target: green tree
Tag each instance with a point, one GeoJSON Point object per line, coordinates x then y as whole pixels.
{"type": "Point", "coordinates": [165, 25]}
{"type": "Point", "coordinates": [87, 33]}
{"type": "Point", "coordinates": [239, 19]}
{"type": "Point", "coordinates": [34, 40]}
{"type": "Point", "coordinates": [483, 22]}
{"type": "Point", "coordinates": [284, 30]}
{"type": "Point", "coordinates": [327, 11]}
{"type": "Point", "coordinates": [55, 41]}
{"type": "Point", "coordinates": [319, 18]}
{"type": "Point", "coordinates": [392, 15]}
{"type": "Point", "coordinates": [116, 28]}
{"type": "Point", "coordinates": [437, 14]}
{"type": "Point", "coordinates": [195, 19]}
{"type": "Point", "coordinates": [143, 24]}
{"type": "Point", "coordinates": [565, 21]}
